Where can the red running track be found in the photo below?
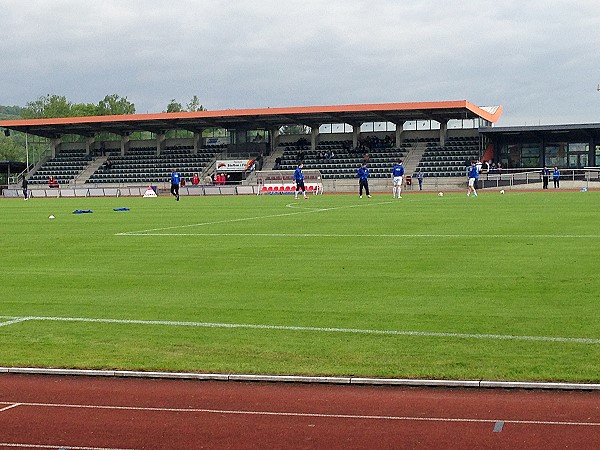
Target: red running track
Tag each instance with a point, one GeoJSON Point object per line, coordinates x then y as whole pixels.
{"type": "Point", "coordinates": [123, 413]}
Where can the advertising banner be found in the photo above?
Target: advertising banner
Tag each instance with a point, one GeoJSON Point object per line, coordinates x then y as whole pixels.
{"type": "Point", "coordinates": [235, 165]}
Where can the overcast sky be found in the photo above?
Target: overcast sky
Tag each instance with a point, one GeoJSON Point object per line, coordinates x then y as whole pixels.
{"type": "Point", "coordinates": [536, 58]}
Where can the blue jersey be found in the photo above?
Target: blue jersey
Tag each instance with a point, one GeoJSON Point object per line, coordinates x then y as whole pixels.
{"type": "Point", "coordinates": [556, 174]}
{"type": "Point", "coordinates": [398, 170]}
{"type": "Point", "coordinates": [473, 172]}
{"type": "Point", "coordinates": [298, 175]}
{"type": "Point", "coordinates": [363, 173]}
{"type": "Point", "coordinates": [175, 177]}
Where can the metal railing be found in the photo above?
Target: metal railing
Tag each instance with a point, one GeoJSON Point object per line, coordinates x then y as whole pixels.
{"type": "Point", "coordinates": [514, 177]}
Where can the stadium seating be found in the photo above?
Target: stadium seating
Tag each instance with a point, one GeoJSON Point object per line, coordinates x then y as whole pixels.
{"type": "Point", "coordinates": [451, 160]}
{"type": "Point", "coordinates": [142, 165]}
{"type": "Point", "coordinates": [345, 160]}
{"type": "Point", "coordinates": [64, 167]}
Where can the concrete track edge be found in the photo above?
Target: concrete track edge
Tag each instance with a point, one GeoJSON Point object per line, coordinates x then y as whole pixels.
{"type": "Point", "coordinates": [306, 379]}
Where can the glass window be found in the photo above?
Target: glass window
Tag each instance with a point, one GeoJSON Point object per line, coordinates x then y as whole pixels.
{"type": "Point", "coordinates": [530, 155]}
{"type": "Point", "coordinates": [556, 154]}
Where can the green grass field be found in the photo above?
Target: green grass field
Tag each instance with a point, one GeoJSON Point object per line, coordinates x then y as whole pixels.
{"type": "Point", "coordinates": [501, 287]}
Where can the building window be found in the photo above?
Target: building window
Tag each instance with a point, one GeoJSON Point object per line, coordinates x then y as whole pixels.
{"type": "Point", "coordinates": [556, 154]}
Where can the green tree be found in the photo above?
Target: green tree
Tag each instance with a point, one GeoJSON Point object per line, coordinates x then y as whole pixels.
{"type": "Point", "coordinates": [47, 106]}
{"type": "Point", "coordinates": [194, 105]}
{"type": "Point", "coordinates": [10, 150]}
{"type": "Point", "coordinates": [174, 106]}
{"type": "Point", "coordinates": [10, 112]}
{"type": "Point", "coordinates": [114, 104]}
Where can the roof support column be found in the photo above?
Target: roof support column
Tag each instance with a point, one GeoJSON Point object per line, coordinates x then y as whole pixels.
{"type": "Point", "coordinates": [275, 138]}
{"type": "Point", "coordinates": [124, 144]}
{"type": "Point", "coordinates": [355, 134]}
{"type": "Point", "coordinates": [161, 139]}
{"type": "Point", "coordinates": [197, 141]}
{"type": "Point", "coordinates": [89, 142]}
{"type": "Point", "coordinates": [314, 137]}
{"type": "Point", "coordinates": [399, 132]}
{"type": "Point", "coordinates": [443, 133]}
{"type": "Point", "coordinates": [55, 146]}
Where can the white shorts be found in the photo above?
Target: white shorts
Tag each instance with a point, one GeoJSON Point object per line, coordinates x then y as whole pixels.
{"type": "Point", "coordinates": [471, 182]}
{"type": "Point", "coordinates": [398, 181]}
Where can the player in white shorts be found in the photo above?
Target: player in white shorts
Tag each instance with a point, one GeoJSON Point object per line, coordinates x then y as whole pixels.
{"type": "Point", "coordinates": [397, 175]}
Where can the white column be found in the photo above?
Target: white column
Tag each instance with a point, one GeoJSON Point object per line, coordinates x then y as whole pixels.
{"type": "Point", "coordinates": [355, 134]}
{"type": "Point", "coordinates": [88, 144]}
{"type": "Point", "coordinates": [124, 144]}
{"type": "Point", "coordinates": [197, 142]}
{"type": "Point", "coordinates": [399, 132]}
{"type": "Point", "coordinates": [443, 133]}
{"type": "Point", "coordinates": [55, 146]}
{"type": "Point", "coordinates": [314, 137]}
{"type": "Point", "coordinates": [160, 143]}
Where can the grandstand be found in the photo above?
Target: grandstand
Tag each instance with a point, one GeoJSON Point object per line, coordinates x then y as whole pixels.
{"type": "Point", "coordinates": [435, 139]}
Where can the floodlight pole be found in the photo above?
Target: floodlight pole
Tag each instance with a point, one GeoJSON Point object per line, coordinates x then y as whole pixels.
{"type": "Point", "coordinates": [27, 152]}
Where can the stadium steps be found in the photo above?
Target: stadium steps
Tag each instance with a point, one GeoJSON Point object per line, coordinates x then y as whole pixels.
{"type": "Point", "coordinates": [412, 159]}
{"type": "Point", "coordinates": [88, 172]}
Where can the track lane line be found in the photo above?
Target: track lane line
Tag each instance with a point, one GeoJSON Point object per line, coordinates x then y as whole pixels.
{"type": "Point", "coordinates": [309, 415]}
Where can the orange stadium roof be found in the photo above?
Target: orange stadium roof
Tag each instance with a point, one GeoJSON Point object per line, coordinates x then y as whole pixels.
{"type": "Point", "coordinates": [260, 118]}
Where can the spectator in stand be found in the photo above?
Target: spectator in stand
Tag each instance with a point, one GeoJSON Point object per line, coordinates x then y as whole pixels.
{"type": "Point", "coordinates": [108, 164]}
{"type": "Point", "coordinates": [259, 162]}
{"type": "Point", "coordinates": [195, 179]}
{"type": "Point", "coordinates": [277, 163]}
{"type": "Point", "coordinates": [363, 179]}
{"type": "Point", "coordinates": [556, 177]}
{"type": "Point", "coordinates": [52, 183]}
{"type": "Point", "coordinates": [366, 159]}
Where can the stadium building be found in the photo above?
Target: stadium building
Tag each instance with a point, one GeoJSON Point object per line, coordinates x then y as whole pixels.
{"type": "Point", "coordinates": [122, 155]}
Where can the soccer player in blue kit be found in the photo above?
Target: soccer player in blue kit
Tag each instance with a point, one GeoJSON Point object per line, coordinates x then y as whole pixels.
{"type": "Point", "coordinates": [473, 176]}
{"type": "Point", "coordinates": [397, 175]}
{"type": "Point", "coordinates": [363, 179]}
{"type": "Point", "coordinates": [299, 179]}
{"type": "Point", "coordinates": [175, 179]}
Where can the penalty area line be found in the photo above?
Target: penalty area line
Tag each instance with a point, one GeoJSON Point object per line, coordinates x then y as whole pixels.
{"type": "Point", "coordinates": [315, 329]}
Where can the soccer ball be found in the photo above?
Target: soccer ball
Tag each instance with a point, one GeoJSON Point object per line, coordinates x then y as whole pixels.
{"type": "Point", "coordinates": [50, 216]}
{"type": "Point", "coordinates": [440, 194]}
{"type": "Point", "coordinates": [502, 191]}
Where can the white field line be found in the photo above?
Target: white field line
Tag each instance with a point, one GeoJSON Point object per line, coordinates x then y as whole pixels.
{"type": "Point", "coordinates": [243, 219]}
{"type": "Point", "coordinates": [303, 414]}
{"type": "Point", "coordinates": [311, 329]}
{"type": "Point", "coordinates": [360, 236]}
{"type": "Point", "coordinates": [15, 320]}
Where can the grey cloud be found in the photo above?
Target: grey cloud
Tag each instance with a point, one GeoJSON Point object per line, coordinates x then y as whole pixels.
{"type": "Point", "coordinates": [536, 58]}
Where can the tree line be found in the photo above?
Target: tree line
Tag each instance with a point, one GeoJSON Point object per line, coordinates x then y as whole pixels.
{"type": "Point", "coordinates": [49, 106]}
